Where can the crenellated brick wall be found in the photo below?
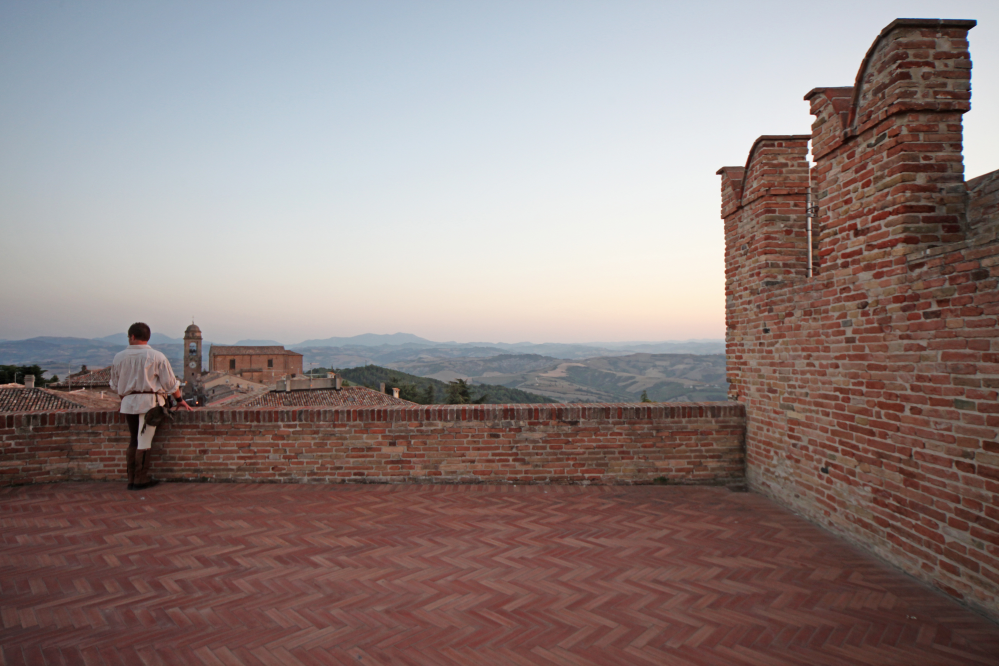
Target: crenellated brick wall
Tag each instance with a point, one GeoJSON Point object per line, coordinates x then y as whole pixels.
{"type": "Point", "coordinates": [871, 387]}
{"type": "Point", "coordinates": [683, 443]}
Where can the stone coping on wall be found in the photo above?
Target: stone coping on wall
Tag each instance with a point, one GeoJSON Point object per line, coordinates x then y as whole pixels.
{"type": "Point", "coordinates": [687, 443]}
{"type": "Point", "coordinates": [433, 413]}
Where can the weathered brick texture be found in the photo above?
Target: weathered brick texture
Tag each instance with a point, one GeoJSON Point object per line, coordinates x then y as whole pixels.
{"type": "Point", "coordinates": [871, 387]}
{"type": "Point", "coordinates": [983, 207]}
{"type": "Point", "coordinates": [600, 444]}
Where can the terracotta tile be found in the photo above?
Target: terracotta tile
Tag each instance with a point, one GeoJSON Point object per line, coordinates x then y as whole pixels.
{"type": "Point", "coordinates": [235, 574]}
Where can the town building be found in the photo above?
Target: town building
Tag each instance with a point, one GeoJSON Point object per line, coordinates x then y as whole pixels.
{"type": "Point", "coordinates": [192, 355]}
{"type": "Point", "coordinates": [98, 380]}
{"type": "Point", "coordinates": [263, 364]}
{"type": "Point", "coordinates": [215, 387]}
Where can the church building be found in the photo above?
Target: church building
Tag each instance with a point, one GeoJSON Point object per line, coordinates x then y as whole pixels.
{"type": "Point", "coordinates": [261, 364]}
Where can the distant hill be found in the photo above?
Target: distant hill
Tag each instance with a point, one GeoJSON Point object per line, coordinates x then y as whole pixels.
{"type": "Point", "coordinates": [449, 369]}
{"type": "Point", "coordinates": [411, 342]}
{"type": "Point", "coordinates": [670, 347]}
{"type": "Point", "coordinates": [258, 343]}
{"type": "Point", "coordinates": [373, 375]}
{"type": "Point", "coordinates": [594, 349]}
{"type": "Point", "coordinates": [368, 340]}
{"type": "Point", "coordinates": [351, 357]}
{"type": "Point", "coordinates": [154, 339]}
{"type": "Point", "coordinates": [553, 369]}
{"type": "Point", "coordinates": [664, 377]}
{"type": "Point", "coordinates": [61, 355]}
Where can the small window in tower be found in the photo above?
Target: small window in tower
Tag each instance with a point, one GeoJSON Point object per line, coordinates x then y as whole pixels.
{"type": "Point", "coordinates": [232, 364]}
{"type": "Point", "coordinates": [270, 363]}
{"type": "Point", "coordinates": [192, 348]}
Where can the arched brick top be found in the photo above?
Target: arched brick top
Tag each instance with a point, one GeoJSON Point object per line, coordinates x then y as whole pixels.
{"type": "Point", "coordinates": [858, 119]}
{"type": "Point", "coordinates": [768, 166]}
{"type": "Point", "coordinates": [831, 108]}
{"type": "Point", "coordinates": [770, 138]}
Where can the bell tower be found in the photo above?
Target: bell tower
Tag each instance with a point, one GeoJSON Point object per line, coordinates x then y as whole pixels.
{"type": "Point", "coordinates": [192, 355]}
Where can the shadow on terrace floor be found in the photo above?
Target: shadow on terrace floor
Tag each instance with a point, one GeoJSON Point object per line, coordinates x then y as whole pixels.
{"type": "Point", "coordinates": [262, 574]}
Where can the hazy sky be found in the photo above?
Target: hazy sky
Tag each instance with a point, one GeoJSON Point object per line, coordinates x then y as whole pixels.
{"type": "Point", "coordinates": [467, 171]}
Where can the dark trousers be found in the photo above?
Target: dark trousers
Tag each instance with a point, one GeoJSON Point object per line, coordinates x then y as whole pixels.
{"type": "Point", "coordinates": [136, 461]}
{"type": "Point", "coordinates": [133, 430]}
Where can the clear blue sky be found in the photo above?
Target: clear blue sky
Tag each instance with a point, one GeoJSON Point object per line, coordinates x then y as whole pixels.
{"type": "Point", "coordinates": [501, 171]}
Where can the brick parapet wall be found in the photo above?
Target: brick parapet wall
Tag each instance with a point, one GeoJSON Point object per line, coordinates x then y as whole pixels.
{"type": "Point", "coordinates": [594, 443]}
{"type": "Point", "coordinates": [871, 388]}
{"type": "Point", "coordinates": [983, 208]}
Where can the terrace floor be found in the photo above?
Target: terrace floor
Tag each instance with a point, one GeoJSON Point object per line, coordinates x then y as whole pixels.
{"type": "Point", "coordinates": [277, 574]}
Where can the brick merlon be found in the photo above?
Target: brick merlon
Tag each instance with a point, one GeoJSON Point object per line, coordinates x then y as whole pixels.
{"type": "Point", "coordinates": [829, 91]}
{"type": "Point", "coordinates": [938, 24]}
{"type": "Point", "coordinates": [766, 138]}
{"type": "Point", "coordinates": [961, 24]}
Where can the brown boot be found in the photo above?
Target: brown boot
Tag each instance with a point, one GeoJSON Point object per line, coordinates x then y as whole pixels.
{"type": "Point", "coordinates": [142, 479]}
{"type": "Point", "coordinates": [130, 466]}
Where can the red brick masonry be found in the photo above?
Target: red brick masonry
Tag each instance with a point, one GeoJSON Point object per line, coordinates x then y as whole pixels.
{"type": "Point", "coordinates": [593, 443]}
{"type": "Point", "coordinates": [872, 386]}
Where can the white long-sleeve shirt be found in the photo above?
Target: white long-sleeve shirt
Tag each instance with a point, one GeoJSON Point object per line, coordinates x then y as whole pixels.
{"type": "Point", "coordinates": [138, 374]}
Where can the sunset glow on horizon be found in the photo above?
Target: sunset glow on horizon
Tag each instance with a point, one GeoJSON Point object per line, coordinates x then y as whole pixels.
{"type": "Point", "coordinates": [513, 172]}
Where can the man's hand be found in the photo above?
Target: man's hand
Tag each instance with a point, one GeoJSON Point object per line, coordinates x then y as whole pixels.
{"type": "Point", "coordinates": [182, 405]}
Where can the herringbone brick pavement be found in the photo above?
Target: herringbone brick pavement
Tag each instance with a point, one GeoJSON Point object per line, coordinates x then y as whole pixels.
{"type": "Point", "coordinates": [221, 574]}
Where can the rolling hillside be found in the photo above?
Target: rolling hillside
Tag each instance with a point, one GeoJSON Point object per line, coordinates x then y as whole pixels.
{"type": "Point", "coordinates": [61, 355]}
{"type": "Point", "coordinates": [414, 387]}
{"type": "Point", "coordinates": [665, 377]}
{"type": "Point", "coordinates": [449, 369]}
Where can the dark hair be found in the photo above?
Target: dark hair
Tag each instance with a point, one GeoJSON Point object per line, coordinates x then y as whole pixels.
{"type": "Point", "coordinates": [139, 331]}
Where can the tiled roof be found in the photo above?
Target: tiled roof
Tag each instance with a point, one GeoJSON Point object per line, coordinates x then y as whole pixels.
{"type": "Point", "coordinates": [100, 379]}
{"type": "Point", "coordinates": [348, 396]}
{"type": "Point", "coordinates": [239, 350]}
{"type": "Point", "coordinates": [217, 379]}
{"type": "Point", "coordinates": [232, 394]}
{"type": "Point", "coordinates": [93, 399]}
{"type": "Point", "coordinates": [210, 376]}
{"type": "Point", "coordinates": [33, 400]}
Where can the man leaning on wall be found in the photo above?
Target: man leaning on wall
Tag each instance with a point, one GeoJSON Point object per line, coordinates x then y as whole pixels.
{"type": "Point", "coordinates": [143, 378]}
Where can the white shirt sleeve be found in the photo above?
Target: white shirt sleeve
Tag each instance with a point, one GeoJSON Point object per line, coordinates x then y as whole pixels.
{"type": "Point", "coordinates": [164, 373]}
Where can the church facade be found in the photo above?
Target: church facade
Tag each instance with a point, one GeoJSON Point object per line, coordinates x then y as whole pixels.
{"type": "Point", "coordinates": [261, 364]}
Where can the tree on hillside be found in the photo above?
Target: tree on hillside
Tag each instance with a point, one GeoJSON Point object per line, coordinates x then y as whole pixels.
{"type": "Point", "coordinates": [458, 393]}
{"type": "Point", "coordinates": [433, 391]}
{"type": "Point", "coordinates": [408, 391]}
{"type": "Point", "coordinates": [9, 372]}
{"type": "Point", "coordinates": [645, 397]}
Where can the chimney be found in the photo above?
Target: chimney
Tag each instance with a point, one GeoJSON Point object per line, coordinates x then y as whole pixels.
{"type": "Point", "coordinates": [395, 393]}
{"type": "Point", "coordinates": [29, 381]}
{"type": "Point", "coordinates": [339, 383]}
{"type": "Point", "coordinates": [83, 369]}
{"type": "Point", "coordinates": [381, 387]}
